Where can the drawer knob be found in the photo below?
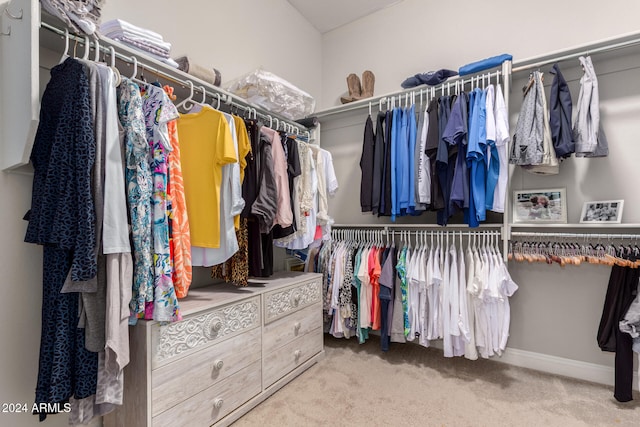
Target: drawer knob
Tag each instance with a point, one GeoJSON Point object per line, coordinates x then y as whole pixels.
{"type": "Point", "coordinates": [297, 354]}
{"type": "Point", "coordinates": [216, 326]}
{"type": "Point", "coordinates": [296, 300]}
{"type": "Point", "coordinates": [218, 403]}
{"type": "Point", "coordinates": [296, 326]}
{"type": "Point", "coordinates": [218, 364]}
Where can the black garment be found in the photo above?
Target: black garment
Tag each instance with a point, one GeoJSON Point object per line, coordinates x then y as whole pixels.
{"type": "Point", "coordinates": [378, 164]}
{"type": "Point", "coordinates": [431, 78]}
{"type": "Point", "coordinates": [366, 166]}
{"type": "Point", "coordinates": [622, 290]}
{"type": "Point", "coordinates": [294, 169]}
{"type": "Point", "coordinates": [386, 299]}
{"type": "Point", "coordinates": [460, 201]}
{"type": "Point", "coordinates": [445, 159]}
{"type": "Point", "coordinates": [62, 219]}
{"type": "Point", "coordinates": [385, 190]}
{"type": "Point", "coordinates": [560, 106]}
{"type": "Point", "coordinates": [267, 254]}
{"type": "Point", "coordinates": [431, 150]}
{"type": "Point", "coordinates": [254, 247]}
{"type": "Point", "coordinates": [251, 183]}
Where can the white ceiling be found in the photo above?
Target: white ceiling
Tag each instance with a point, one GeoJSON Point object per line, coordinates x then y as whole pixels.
{"type": "Point", "coordinates": [327, 15]}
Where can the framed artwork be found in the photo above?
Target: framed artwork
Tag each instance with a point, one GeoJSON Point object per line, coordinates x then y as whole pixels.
{"type": "Point", "coordinates": [540, 206]}
{"type": "Point", "coordinates": [609, 211]}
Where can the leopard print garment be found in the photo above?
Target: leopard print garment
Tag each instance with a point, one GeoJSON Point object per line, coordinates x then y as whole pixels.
{"type": "Point", "coordinates": [236, 269]}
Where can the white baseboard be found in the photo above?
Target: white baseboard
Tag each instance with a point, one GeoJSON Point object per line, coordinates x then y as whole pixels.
{"type": "Point", "coordinates": [561, 366]}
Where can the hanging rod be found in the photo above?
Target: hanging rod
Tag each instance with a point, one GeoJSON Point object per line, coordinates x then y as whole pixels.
{"type": "Point", "coordinates": [575, 235]}
{"type": "Point", "coordinates": [434, 227]}
{"type": "Point", "coordinates": [474, 80]}
{"type": "Point", "coordinates": [607, 45]}
{"type": "Point", "coordinates": [176, 76]}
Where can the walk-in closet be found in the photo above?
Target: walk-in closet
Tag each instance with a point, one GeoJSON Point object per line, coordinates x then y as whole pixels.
{"type": "Point", "coordinates": [291, 212]}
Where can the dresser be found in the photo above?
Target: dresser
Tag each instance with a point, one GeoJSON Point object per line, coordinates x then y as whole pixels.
{"type": "Point", "coordinates": [233, 349]}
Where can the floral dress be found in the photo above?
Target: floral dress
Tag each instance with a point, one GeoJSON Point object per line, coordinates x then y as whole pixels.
{"type": "Point", "coordinates": [139, 191]}
{"type": "Point", "coordinates": [158, 111]}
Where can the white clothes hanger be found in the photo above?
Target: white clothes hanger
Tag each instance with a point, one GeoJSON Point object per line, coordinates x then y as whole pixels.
{"type": "Point", "coordinates": [187, 103]}
{"type": "Point", "coordinates": [96, 56]}
{"type": "Point", "coordinates": [87, 46]}
{"type": "Point", "coordinates": [66, 46]}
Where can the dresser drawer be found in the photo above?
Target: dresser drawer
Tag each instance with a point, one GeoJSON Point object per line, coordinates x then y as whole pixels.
{"type": "Point", "coordinates": [169, 342]}
{"type": "Point", "coordinates": [214, 403]}
{"type": "Point", "coordinates": [287, 358]}
{"type": "Point", "coordinates": [286, 329]}
{"type": "Point", "coordinates": [279, 303]}
{"type": "Point", "coordinates": [181, 379]}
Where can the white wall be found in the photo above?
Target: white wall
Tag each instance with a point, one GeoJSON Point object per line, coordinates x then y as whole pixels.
{"type": "Point", "coordinates": [234, 36]}
{"type": "Point", "coordinates": [415, 36]}
{"type": "Point", "coordinates": [557, 310]}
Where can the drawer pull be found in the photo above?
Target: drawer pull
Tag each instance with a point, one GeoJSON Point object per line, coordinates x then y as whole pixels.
{"type": "Point", "coordinates": [296, 300]}
{"type": "Point", "coordinates": [218, 364]}
{"type": "Point", "coordinates": [215, 328]}
{"type": "Point", "coordinates": [296, 326]}
{"type": "Point", "coordinates": [297, 354]}
{"type": "Point", "coordinates": [218, 403]}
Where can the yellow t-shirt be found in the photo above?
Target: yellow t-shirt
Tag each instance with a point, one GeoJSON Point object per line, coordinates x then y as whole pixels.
{"type": "Point", "coordinates": [244, 148]}
{"type": "Point", "coordinates": [206, 145]}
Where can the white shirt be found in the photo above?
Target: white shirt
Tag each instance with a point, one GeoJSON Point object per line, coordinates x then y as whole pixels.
{"type": "Point", "coordinates": [502, 142]}
{"type": "Point", "coordinates": [424, 166]}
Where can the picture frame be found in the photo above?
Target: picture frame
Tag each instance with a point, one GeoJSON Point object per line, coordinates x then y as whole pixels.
{"type": "Point", "coordinates": [602, 211]}
{"type": "Point", "coordinates": [548, 206]}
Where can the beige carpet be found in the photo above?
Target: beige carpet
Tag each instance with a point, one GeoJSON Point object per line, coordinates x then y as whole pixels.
{"type": "Point", "coordinates": [358, 385]}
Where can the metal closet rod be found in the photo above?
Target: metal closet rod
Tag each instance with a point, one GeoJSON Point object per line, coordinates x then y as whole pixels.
{"type": "Point", "coordinates": [226, 97]}
{"type": "Point", "coordinates": [610, 46]}
{"type": "Point", "coordinates": [575, 235]}
{"type": "Point", "coordinates": [413, 93]}
{"type": "Point", "coordinates": [434, 227]}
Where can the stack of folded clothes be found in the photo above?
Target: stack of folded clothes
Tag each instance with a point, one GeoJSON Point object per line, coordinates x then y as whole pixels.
{"type": "Point", "coordinates": [142, 39]}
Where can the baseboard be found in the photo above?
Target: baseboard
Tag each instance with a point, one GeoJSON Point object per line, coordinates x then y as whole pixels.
{"type": "Point", "coordinates": [561, 366]}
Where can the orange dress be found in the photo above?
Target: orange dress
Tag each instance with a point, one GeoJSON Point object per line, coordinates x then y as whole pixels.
{"type": "Point", "coordinates": [180, 243]}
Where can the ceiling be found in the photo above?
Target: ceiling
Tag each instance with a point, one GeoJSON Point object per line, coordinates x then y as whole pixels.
{"type": "Point", "coordinates": [327, 15]}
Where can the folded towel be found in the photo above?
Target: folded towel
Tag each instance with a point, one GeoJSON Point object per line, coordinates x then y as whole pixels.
{"type": "Point", "coordinates": [143, 45]}
{"type": "Point", "coordinates": [209, 75]}
{"type": "Point", "coordinates": [120, 26]}
{"type": "Point", "coordinates": [484, 64]}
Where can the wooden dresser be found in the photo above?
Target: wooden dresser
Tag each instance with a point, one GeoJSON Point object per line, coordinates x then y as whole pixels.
{"type": "Point", "coordinates": [233, 349]}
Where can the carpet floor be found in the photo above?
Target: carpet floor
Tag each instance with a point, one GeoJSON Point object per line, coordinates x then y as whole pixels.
{"type": "Point", "coordinates": [358, 385]}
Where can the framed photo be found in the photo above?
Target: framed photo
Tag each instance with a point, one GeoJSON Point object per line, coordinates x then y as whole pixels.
{"type": "Point", "coordinates": [540, 206]}
{"type": "Point", "coordinates": [609, 211]}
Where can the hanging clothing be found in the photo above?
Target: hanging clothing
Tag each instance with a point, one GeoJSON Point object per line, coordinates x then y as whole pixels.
{"type": "Point", "coordinates": [532, 139]}
{"type": "Point", "coordinates": [385, 188]}
{"type": "Point", "coordinates": [502, 142]}
{"type": "Point", "coordinates": [492, 157]}
{"type": "Point", "coordinates": [378, 164]}
{"type": "Point", "coordinates": [139, 191]}
{"type": "Point", "coordinates": [422, 166]}
{"type": "Point", "coordinates": [207, 145]}
{"type": "Point", "coordinates": [284, 217]}
{"type": "Point", "coordinates": [621, 291]}
{"type": "Point", "coordinates": [588, 134]}
{"type": "Point", "coordinates": [455, 133]}
{"type": "Point", "coordinates": [560, 113]}
{"type": "Point", "coordinates": [62, 220]}
{"type": "Point", "coordinates": [158, 111]}
{"type": "Point", "coordinates": [366, 166]}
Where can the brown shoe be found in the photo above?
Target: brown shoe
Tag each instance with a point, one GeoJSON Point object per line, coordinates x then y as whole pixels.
{"type": "Point", "coordinates": [368, 83]}
{"type": "Point", "coordinates": [355, 89]}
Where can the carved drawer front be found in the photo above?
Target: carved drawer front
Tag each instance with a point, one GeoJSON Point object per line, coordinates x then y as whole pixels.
{"type": "Point", "coordinates": [183, 378]}
{"type": "Point", "coordinates": [287, 358]}
{"type": "Point", "coordinates": [203, 329]}
{"type": "Point", "coordinates": [283, 301]}
{"type": "Point", "coordinates": [286, 329]}
{"type": "Point", "coordinates": [212, 404]}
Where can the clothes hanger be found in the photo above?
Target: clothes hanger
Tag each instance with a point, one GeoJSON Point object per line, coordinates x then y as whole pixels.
{"type": "Point", "coordinates": [87, 46]}
{"type": "Point", "coordinates": [66, 46]}
{"type": "Point", "coordinates": [187, 103]}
